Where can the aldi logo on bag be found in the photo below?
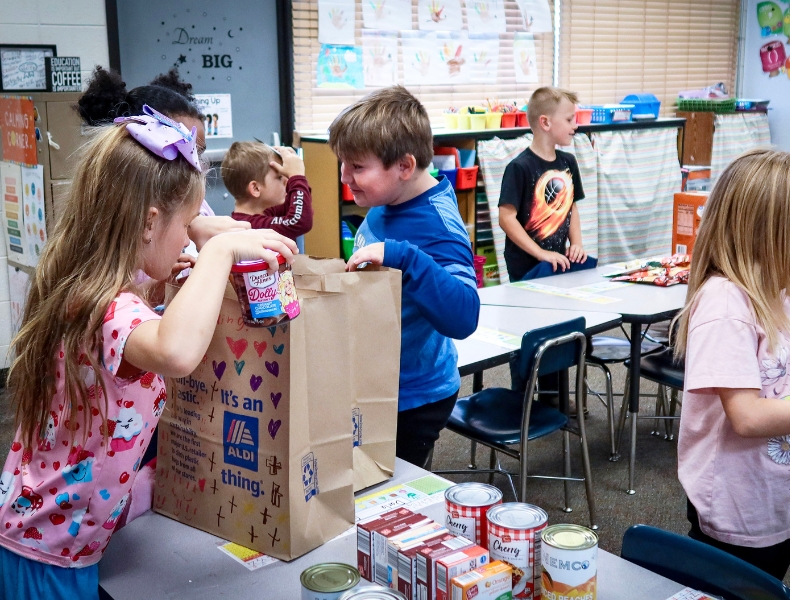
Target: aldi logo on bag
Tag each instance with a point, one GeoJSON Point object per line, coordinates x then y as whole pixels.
{"type": "Point", "coordinates": [240, 440]}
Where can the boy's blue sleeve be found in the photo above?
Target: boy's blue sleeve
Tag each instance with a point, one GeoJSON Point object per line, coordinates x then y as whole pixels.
{"type": "Point", "coordinates": [446, 296]}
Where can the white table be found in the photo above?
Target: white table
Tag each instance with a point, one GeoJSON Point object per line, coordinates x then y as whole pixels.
{"type": "Point", "coordinates": [156, 557]}
{"type": "Point", "coordinates": [638, 304]}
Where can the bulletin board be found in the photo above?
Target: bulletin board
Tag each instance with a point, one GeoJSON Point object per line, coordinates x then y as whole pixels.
{"type": "Point", "coordinates": [447, 52]}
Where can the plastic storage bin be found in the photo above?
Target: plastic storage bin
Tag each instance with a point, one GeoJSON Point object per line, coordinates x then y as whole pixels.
{"type": "Point", "coordinates": [493, 120]}
{"type": "Point", "coordinates": [707, 105]}
{"type": "Point", "coordinates": [521, 119]}
{"type": "Point", "coordinates": [480, 262]}
{"type": "Point", "coordinates": [477, 121]}
{"type": "Point", "coordinates": [508, 120]}
{"type": "Point", "coordinates": [611, 113]}
{"type": "Point", "coordinates": [462, 178]}
{"type": "Point", "coordinates": [346, 194]}
{"type": "Point", "coordinates": [743, 105]}
{"type": "Point", "coordinates": [646, 106]}
{"type": "Point", "coordinates": [584, 116]}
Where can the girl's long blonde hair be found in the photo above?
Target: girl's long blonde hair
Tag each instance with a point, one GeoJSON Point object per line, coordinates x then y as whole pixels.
{"type": "Point", "coordinates": [744, 236]}
{"type": "Point", "coordinates": [93, 255]}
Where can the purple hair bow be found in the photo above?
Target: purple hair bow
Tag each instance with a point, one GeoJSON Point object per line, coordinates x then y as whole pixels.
{"type": "Point", "coordinates": [163, 136]}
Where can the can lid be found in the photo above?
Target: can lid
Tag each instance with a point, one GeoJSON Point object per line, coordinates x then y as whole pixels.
{"type": "Point", "coordinates": [569, 537]}
{"type": "Point", "coordinates": [517, 515]}
{"type": "Point", "coordinates": [250, 266]}
{"type": "Point", "coordinates": [373, 592]}
{"type": "Point", "coordinates": [473, 494]}
{"type": "Point", "coordinates": [329, 577]}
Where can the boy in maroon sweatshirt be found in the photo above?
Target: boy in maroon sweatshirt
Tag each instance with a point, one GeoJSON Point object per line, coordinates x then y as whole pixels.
{"type": "Point", "coordinates": [270, 189]}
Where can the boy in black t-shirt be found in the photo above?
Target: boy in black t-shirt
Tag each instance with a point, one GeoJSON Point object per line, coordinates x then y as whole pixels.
{"type": "Point", "coordinates": [539, 189]}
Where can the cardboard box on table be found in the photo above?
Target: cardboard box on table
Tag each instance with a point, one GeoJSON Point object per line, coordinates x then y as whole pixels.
{"type": "Point", "coordinates": [686, 218]}
{"type": "Point", "coordinates": [256, 445]}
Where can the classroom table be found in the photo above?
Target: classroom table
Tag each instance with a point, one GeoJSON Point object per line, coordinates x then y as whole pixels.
{"type": "Point", "coordinates": [157, 557]}
{"type": "Point", "coordinates": [638, 304]}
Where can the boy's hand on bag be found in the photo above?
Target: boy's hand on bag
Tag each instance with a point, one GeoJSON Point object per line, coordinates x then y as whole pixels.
{"type": "Point", "coordinates": [292, 164]}
{"type": "Point", "coordinates": [372, 253]}
{"type": "Point", "coordinates": [256, 244]}
{"type": "Point", "coordinates": [576, 254]}
{"type": "Point", "coordinates": [556, 259]}
{"type": "Point", "coordinates": [202, 229]}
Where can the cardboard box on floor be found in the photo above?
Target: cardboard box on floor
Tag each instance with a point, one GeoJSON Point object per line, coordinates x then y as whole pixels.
{"type": "Point", "coordinates": [257, 446]}
{"type": "Point", "coordinates": [686, 217]}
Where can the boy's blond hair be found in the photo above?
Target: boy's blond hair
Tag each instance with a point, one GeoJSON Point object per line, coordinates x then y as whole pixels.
{"type": "Point", "coordinates": [544, 102]}
{"type": "Point", "coordinates": [245, 162]}
{"type": "Point", "coordinates": [389, 124]}
{"type": "Point", "coordinates": [744, 236]}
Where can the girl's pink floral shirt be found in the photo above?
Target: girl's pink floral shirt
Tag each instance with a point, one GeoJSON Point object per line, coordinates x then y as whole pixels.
{"type": "Point", "coordinates": [60, 502]}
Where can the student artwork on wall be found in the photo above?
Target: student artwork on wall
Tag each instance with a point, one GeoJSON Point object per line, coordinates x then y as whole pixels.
{"type": "Point", "coordinates": [18, 286]}
{"type": "Point", "coordinates": [453, 50]}
{"type": "Point", "coordinates": [387, 14]}
{"type": "Point", "coordinates": [34, 219]}
{"type": "Point", "coordinates": [420, 58]}
{"type": "Point", "coordinates": [525, 58]}
{"type": "Point", "coordinates": [537, 15]}
{"type": "Point", "coordinates": [486, 16]}
{"type": "Point", "coordinates": [440, 15]}
{"type": "Point", "coordinates": [769, 18]}
{"type": "Point", "coordinates": [484, 57]}
{"type": "Point", "coordinates": [380, 51]}
{"type": "Point", "coordinates": [218, 114]}
{"type": "Point", "coordinates": [340, 67]}
{"type": "Point", "coordinates": [774, 59]}
{"type": "Point", "coordinates": [336, 21]}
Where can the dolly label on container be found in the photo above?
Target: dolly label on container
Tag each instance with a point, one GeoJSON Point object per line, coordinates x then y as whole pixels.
{"type": "Point", "coordinates": [240, 440]}
{"type": "Point", "coordinates": [309, 476]}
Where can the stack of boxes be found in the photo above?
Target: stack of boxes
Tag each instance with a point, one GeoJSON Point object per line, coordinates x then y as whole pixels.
{"type": "Point", "coordinates": [423, 560]}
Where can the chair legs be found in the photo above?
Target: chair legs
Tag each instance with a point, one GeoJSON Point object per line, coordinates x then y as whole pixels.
{"type": "Point", "coordinates": [609, 405]}
{"type": "Point", "coordinates": [587, 472]}
{"type": "Point", "coordinates": [566, 453]}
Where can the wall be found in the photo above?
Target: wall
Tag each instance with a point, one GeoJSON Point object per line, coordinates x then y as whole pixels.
{"type": "Point", "coordinates": [220, 48]}
{"type": "Point", "coordinates": [77, 27]}
{"type": "Point", "coordinates": [754, 83]}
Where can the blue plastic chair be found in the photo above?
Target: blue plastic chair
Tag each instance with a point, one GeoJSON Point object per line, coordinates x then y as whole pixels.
{"type": "Point", "coordinates": [501, 418]}
{"type": "Point", "coordinates": [699, 565]}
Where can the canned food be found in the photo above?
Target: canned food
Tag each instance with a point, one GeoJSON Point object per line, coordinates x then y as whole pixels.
{"type": "Point", "coordinates": [373, 592]}
{"type": "Point", "coordinates": [265, 298]}
{"type": "Point", "coordinates": [328, 581]}
{"type": "Point", "coordinates": [467, 505]}
{"type": "Point", "coordinates": [570, 562]}
{"type": "Point", "coordinates": [514, 537]}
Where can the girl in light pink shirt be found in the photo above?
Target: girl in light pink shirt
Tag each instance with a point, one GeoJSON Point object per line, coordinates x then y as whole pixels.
{"type": "Point", "coordinates": [87, 381]}
{"type": "Point", "coordinates": [734, 443]}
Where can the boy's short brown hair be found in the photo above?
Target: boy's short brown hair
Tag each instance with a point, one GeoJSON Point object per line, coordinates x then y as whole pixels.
{"type": "Point", "coordinates": [245, 162]}
{"type": "Point", "coordinates": [388, 124]}
{"type": "Point", "coordinates": [544, 101]}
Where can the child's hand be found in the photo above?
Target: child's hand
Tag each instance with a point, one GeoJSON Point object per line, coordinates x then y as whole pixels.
{"type": "Point", "coordinates": [292, 164]}
{"type": "Point", "coordinates": [185, 261]}
{"type": "Point", "coordinates": [556, 259]}
{"type": "Point", "coordinates": [202, 229]}
{"type": "Point", "coordinates": [255, 244]}
{"type": "Point", "coordinates": [372, 253]}
{"type": "Point", "coordinates": [576, 253]}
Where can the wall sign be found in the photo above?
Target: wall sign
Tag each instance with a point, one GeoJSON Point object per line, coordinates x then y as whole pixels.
{"type": "Point", "coordinates": [218, 114]}
{"type": "Point", "coordinates": [17, 125]}
{"type": "Point", "coordinates": [63, 74]}
{"type": "Point", "coordinates": [23, 68]}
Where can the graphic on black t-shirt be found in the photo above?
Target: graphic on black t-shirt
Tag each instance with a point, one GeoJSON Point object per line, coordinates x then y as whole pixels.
{"type": "Point", "coordinates": [551, 204]}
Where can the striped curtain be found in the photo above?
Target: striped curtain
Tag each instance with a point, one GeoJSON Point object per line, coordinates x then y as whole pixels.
{"type": "Point", "coordinates": [734, 135]}
{"type": "Point", "coordinates": [496, 154]}
{"type": "Point", "coordinates": [638, 174]}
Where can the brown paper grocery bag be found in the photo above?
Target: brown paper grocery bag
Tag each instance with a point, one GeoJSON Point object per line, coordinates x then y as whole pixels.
{"type": "Point", "coordinates": [373, 312]}
{"type": "Point", "coordinates": [255, 446]}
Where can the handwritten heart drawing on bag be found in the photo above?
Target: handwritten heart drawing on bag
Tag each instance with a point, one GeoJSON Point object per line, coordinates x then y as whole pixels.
{"type": "Point", "coordinates": [237, 346]}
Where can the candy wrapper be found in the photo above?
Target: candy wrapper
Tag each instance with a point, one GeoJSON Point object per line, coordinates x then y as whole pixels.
{"type": "Point", "coordinates": [663, 272]}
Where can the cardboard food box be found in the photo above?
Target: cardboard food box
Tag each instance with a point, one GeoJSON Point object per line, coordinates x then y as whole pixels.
{"type": "Point", "coordinates": [452, 565]}
{"type": "Point", "coordinates": [490, 582]}
{"type": "Point", "coordinates": [372, 537]}
{"type": "Point", "coordinates": [686, 218]}
{"type": "Point", "coordinates": [408, 540]}
{"type": "Point", "coordinates": [256, 445]}
{"type": "Point", "coordinates": [407, 562]}
{"type": "Point", "coordinates": [427, 558]}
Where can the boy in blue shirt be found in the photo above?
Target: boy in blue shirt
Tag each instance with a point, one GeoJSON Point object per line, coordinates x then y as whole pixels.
{"type": "Point", "coordinates": [385, 144]}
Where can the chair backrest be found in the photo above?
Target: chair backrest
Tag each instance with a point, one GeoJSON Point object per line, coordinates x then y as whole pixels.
{"type": "Point", "coordinates": [698, 565]}
{"type": "Point", "coordinates": [554, 359]}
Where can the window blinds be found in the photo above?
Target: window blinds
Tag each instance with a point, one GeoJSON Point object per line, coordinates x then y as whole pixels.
{"type": "Point", "coordinates": [610, 48]}
{"type": "Point", "coordinates": [315, 107]}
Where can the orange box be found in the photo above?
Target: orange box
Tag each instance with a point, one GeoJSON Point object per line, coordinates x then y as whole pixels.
{"type": "Point", "coordinates": [686, 217]}
{"type": "Point", "coordinates": [490, 582]}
